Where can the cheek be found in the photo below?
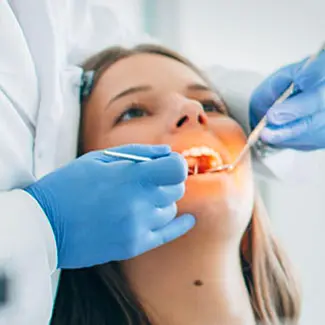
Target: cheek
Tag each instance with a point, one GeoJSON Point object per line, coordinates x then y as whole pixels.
{"type": "Point", "coordinates": [234, 139]}
{"type": "Point", "coordinates": [230, 134]}
{"type": "Point", "coordinates": [144, 132]}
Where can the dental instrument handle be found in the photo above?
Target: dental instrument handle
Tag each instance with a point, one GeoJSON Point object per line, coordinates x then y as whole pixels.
{"type": "Point", "coordinates": [134, 158]}
{"type": "Point", "coordinates": [253, 137]}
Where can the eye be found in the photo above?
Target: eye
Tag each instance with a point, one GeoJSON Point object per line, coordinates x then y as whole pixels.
{"type": "Point", "coordinates": [135, 111]}
{"type": "Point", "coordinates": [211, 106]}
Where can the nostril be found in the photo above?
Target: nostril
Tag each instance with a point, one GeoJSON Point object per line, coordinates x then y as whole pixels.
{"type": "Point", "coordinates": [201, 119]}
{"type": "Point", "coordinates": [182, 121]}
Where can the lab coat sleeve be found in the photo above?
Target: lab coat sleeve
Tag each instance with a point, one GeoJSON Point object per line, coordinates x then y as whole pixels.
{"type": "Point", "coordinates": [27, 245]}
{"type": "Point", "coordinates": [27, 256]}
{"type": "Point", "coordinates": [236, 88]}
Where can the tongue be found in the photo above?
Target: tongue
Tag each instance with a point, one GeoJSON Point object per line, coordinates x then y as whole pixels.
{"type": "Point", "coordinates": [201, 164]}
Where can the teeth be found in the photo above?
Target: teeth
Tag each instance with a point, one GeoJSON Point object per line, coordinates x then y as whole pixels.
{"type": "Point", "coordinates": [199, 151]}
{"type": "Point", "coordinates": [196, 169]}
{"type": "Point", "coordinates": [193, 161]}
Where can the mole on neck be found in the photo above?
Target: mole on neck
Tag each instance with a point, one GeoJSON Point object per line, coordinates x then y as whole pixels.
{"type": "Point", "coordinates": [198, 283]}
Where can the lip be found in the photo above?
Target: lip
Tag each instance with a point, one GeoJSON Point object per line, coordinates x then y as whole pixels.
{"type": "Point", "coordinates": [224, 154]}
{"type": "Point", "coordinates": [208, 176]}
{"type": "Point", "coordinates": [191, 138]}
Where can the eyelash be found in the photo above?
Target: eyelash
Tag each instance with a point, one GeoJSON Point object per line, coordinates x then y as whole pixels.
{"type": "Point", "coordinates": [137, 107]}
{"type": "Point", "coordinates": [132, 107]}
{"type": "Point", "coordinates": [218, 106]}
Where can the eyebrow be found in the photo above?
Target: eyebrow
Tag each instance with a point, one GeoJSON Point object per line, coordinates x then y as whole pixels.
{"type": "Point", "coordinates": [132, 90]}
{"type": "Point", "coordinates": [129, 91]}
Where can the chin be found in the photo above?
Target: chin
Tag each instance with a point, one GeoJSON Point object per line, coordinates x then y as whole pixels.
{"type": "Point", "coordinates": [221, 207]}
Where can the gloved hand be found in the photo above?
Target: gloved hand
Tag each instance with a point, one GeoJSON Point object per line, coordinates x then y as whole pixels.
{"type": "Point", "coordinates": [298, 122]}
{"type": "Point", "coordinates": [102, 209]}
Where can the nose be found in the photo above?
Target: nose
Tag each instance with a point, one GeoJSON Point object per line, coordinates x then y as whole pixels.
{"type": "Point", "coordinates": [191, 114]}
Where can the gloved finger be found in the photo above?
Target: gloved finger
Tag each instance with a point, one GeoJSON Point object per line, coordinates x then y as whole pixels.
{"type": "Point", "coordinates": [169, 170]}
{"type": "Point", "coordinates": [162, 216]}
{"type": "Point", "coordinates": [310, 124]}
{"type": "Point", "coordinates": [117, 252]}
{"type": "Point", "coordinates": [150, 151]}
{"type": "Point", "coordinates": [298, 107]}
{"type": "Point", "coordinates": [297, 144]}
{"type": "Point", "coordinates": [312, 75]}
{"type": "Point", "coordinates": [153, 239]}
{"type": "Point", "coordinates": [164, 196]}
{"type": "Point", "coordinates": [176, 228]}
{"type": "Point", "coordinates": [273, 87]}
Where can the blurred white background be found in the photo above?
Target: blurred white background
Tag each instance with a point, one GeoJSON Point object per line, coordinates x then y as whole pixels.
{"type": "Point", "coordinates": [250, 34]}
{"type": "Point", "coordinates": [257, 35]}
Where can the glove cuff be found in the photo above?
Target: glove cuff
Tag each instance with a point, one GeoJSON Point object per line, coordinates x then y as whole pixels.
{"type": "Point", "coordinates": [264, 150]}
{"type": "Point", "coordinates": [43, 201]}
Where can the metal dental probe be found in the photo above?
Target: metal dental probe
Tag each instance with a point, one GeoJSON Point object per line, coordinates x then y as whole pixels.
{"type": "Point", "coordinates": [134, 158]}
{"type": "Point", "coordinates": [126, 156]}
{"type": "Point", "coordinates": [253, 137]}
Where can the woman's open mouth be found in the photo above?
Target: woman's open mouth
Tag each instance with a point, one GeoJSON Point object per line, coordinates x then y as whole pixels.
{"type": "Point", "coordinates": [200, 159]}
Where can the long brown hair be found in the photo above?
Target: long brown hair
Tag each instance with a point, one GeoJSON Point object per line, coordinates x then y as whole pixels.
{"type": "Point", "coordinates": [101, 295]}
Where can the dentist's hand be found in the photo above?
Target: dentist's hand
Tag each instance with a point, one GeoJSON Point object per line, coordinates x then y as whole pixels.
{"type": "Point", "coordinates": [102, 209]}
{"type": "Point", "coordinates": [299, 122]}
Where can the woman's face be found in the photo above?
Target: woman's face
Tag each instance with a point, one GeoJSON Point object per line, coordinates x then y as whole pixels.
{"type": "Point", "coordinates": [152, 99]}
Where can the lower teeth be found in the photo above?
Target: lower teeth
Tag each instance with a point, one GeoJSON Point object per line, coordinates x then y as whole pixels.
{"type": "Point", "coordinates": [198, 165]}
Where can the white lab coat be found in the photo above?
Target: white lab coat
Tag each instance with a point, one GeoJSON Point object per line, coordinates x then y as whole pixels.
{"type": "Point", "coordinates": [41, 42]}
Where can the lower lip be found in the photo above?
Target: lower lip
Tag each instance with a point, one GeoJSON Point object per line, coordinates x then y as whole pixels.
{"type": "Point", "coordinates": [208, 176]}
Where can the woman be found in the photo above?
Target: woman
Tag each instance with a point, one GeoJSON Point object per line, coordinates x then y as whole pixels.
{"type": "Point", "coordinates": [228, 269]}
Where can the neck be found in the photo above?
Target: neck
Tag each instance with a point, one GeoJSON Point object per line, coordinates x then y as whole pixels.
{"type": "Point", "coordinates": [192, 281]}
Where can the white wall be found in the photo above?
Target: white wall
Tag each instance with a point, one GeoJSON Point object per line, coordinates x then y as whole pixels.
{"type": "Point", "coordinates": [261, 36]}
{"type": "Point", "coordinates": [132, 18]}
{"type": "Point", "coordinates": [256, 34]}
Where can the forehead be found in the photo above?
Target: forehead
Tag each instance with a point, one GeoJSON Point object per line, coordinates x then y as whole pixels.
{"type": "Point", "coordinates": [155, 70]}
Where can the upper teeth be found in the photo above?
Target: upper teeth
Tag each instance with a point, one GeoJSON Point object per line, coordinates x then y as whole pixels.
{"type": "Point", "coordinates": [199, 151]}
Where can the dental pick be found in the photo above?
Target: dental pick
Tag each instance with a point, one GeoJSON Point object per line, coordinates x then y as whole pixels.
{"type": "Point", "coordinates": [254, 136]}
{"type": "Point", "coordinates": [127, 156]}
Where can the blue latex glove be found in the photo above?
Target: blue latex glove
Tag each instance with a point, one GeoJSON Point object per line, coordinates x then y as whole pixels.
{"type": "Point", "coordinates": [103, 209]}
{"type": "Point", "coordinates": [299, 122]}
